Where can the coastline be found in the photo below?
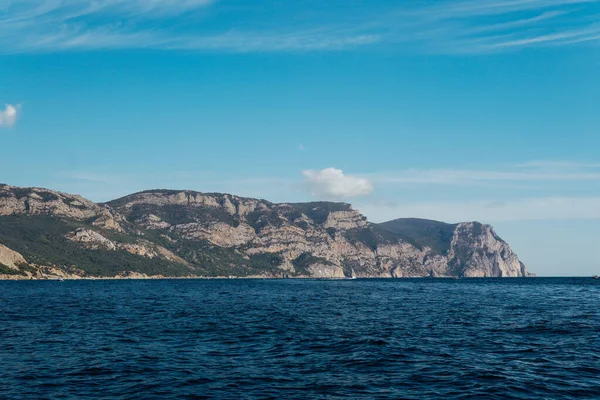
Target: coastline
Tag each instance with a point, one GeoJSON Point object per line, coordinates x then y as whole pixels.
{"type": "Point", "coordinates": [256, 277]}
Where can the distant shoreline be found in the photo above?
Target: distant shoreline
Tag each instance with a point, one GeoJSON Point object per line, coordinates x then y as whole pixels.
{"type": "Point", "coordinates": [269, 278]}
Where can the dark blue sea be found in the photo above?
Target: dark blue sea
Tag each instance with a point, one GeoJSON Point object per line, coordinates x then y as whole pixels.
{"type": "Point", "coordinates": [301, 339]}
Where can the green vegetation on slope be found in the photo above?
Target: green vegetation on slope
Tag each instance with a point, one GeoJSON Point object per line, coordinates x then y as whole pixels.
{"type": "Point", "coordinates": [319, 211]}
{"type": "Point", "coordinates": [6, 270]}
{"type": "Point", "coordinates": [181, 214]}
{"type": "Point", "coordinates": [41, 240]}
{"type": "Point", "coordinates": [434, 234]}
{"type": "Point", "coordinates": [370, 236]}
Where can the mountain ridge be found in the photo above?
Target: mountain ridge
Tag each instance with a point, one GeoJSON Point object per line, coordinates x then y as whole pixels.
{"type": "Point", "coordinates": [184, 233]}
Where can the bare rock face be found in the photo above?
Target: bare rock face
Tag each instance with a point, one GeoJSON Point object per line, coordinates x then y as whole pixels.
{"type": "Point", "coordinates": [136, 275]}
{"type": "Point", "coordinates": [139, 249]}
{"type": "Point", "coordinates": [222, 234]}
{"type": "Point", "coordinates": [143, 248]}
{"type": "Point", "coordinates": [332, 232]}
{"type": "Point", "coordinates": [151, 221]}
{"type": "Point", "coordinates": [108, 220]}
{"type": "Point", "coordinates": [91, 239]}
{"type": "Point", "coordinates": [218, 233]}
{"type": "Point", "coordinates": [345, 220]}
{"type": "Point", "coordinates": [482, 253]}
{"type": "Point", "coordinates": [11, 258]}
{"type": "Point", "coordinates": [37, 201]}
{"type": "Point", "coordinates": [169, 255]}
{"type": "Point", "coordinates": [319, 270]}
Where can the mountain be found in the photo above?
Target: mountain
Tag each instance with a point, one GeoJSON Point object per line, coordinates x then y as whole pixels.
{"type": "Point", "coordinates": [172, 233]}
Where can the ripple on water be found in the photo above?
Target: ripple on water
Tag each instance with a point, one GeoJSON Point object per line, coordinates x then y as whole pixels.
{"type": "Point", "coordinates": [172, 339]}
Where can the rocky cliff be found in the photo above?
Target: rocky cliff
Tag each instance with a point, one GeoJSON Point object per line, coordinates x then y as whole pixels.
{"type": "Point", "coordinates": [185, 233]}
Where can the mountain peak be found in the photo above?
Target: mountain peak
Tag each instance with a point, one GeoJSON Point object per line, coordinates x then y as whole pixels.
{"type": "Point", "coordinates": [188, 233]}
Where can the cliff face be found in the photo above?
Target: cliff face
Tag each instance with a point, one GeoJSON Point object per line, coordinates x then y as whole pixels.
{"type": "Point", "coordinates": [37, 201]}
{"type": "Point", "coordinates": [10, 259]}
{"type": "Point", "coordinates": [468, 249]}
{"type": "Point", "coordinates": [184, 233]}
{"type": "Point", "coordinates": [478, 252]}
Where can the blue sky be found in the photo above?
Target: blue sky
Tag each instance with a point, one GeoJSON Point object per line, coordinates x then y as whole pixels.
{"type": "Point", "coordinates": [451, 110]}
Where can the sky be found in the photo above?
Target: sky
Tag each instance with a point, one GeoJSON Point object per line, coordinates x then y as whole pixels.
{"type": "Point", "coordinates": [455, 110]}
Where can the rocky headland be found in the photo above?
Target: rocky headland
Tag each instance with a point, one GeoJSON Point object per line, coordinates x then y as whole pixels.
{"type": "Point", "coordinates": [46, 234]}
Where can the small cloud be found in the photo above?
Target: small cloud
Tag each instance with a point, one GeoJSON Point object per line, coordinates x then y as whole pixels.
{"type": "Point", "coordinates": [301, 147]}
{"type": "Point", "coordinates": [8, 117]}
{"type": "Point", "coordinates": [333, 184]}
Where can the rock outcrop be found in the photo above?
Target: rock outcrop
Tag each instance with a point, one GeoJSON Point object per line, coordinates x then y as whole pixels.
{"type": "Point", "coordinates": [479, 252]}
{"type": "Point", "coordinates": [226, 235]}
{"type": "Point", "coordinates": [10, 258]}
{"type": "Point", "coordinates": [37, 201]}
{"type": "Point", "coordinates": [90, 239]}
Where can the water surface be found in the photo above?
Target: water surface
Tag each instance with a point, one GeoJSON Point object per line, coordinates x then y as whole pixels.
{"type": "Point", "coordinates": [371, 339]}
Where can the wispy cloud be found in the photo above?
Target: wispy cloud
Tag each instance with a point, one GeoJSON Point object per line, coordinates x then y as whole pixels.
{"type": "Point", "coordinates": [49, 25]}
{"type": "Point", "coordinates": [487, 211]}
{"type": "Point", "coordinates": [557, 164]}
{"type": "Point", "coordinates": [259, 42]}
{"type": "Point", "coordinates": [334, 184]}
{"type": "Point", "coordinates": [101, 184]}
{"type": "Point", "coordinates": [92, 177]}
{"type": "Point", "coordinates": [463, 26]}
{"type": "Point", "coordinates": [538, 171]}
{"type": "Point", "coordinates": [471, 8]}
{"type": "Point", "coordinates": [471, 26]}
{"type": "Point", "coordinates": [514, 199]}
{"type": "Point", "coordinates": [9, 116]}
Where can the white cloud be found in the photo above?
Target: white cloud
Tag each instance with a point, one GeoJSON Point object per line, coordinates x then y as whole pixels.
{"type": "Point", "coordinates": [8, 117]}
{"type": "Point", "coordinates": [331, 183]}
{"type": "Point", "coordinates": [544, 208]}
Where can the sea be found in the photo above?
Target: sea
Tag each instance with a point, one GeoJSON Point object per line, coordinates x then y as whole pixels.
{"type": "Point", "coordinates": [528, 338]}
